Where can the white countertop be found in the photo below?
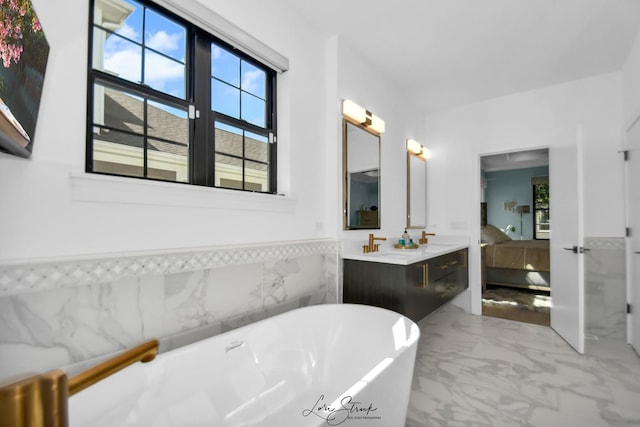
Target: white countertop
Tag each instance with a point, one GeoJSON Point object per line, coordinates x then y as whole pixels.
{"type": "Point", "coordinates": [390, 255]}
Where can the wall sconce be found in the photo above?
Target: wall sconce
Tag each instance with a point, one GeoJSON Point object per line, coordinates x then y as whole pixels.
{"type": "Point", "coordinates": [362, 116]}
{"type": "Point", "coordinates": [418, 149]}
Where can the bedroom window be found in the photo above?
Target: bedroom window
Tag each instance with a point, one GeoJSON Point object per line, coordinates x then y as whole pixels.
{"type": "Point", "coordinates": [169, 101]}
{"type": "Point", "coordinates": [541, 209]}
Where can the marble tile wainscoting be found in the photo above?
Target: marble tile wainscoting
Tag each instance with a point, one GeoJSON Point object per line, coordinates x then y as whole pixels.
{"type": "Point", "coordinates": [74, 312]}
{"type": "Point", "coordinates": [605, 290]}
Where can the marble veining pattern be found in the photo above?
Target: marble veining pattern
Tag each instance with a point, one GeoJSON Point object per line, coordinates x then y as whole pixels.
{"type": "Point", "coordinates": [67, 326]}
{"type": "Point", "coordinates": [484, 371]}
{"type": "Point", "coordinates": [605, 289]}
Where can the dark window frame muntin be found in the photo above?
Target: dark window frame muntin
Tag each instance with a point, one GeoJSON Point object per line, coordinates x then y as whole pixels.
{"type": "Point", "coordinates": [205, 133]}
{"type": "Point", "coordinates": [536, 209]}
{"type": "Point", "coordinates": [248, 127]}
{"type": "Point", "coordinates": [123, 85]}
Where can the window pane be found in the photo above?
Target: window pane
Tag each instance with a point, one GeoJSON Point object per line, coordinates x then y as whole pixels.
{"type": "Point", "coordinates": [165, 36]}
{"type": "Point", "coordinates": [166, 161]}
{"type": "Point", "coordinates": [228, 171]}
{"type": "Point", "coordinates": [141, 127]}
{"type": "Point", "coordinates": [167, 122]}
{"type": "Point", "coordinates": [253, 80]}
{"type": "Point", "coordinates": [118, 153]}
{"type": "Point", "coordinates": [127, 19]}
{"type": "Point", "coordinates": [164, 74]}
{"type": "Point", "coordinates": [225, 66]}
{"type": "Point", "coordinates": [117, 56]}
{"type": "Point", "coordinates": [253, 109]}
{"type": "Point", "coordinates": [117, 109]}
{"type": "Point", "coordinates": [228, 139]}
{"type": "Point", "coordinates": [225, 99]}
{"type": "Point", "coordinates": [256, 147]}
{"type": "Point", "coordinates": [256, 176]}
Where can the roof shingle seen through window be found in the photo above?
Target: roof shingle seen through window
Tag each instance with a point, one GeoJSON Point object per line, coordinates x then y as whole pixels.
{"type": "Point", "coordinates": [125, 112]}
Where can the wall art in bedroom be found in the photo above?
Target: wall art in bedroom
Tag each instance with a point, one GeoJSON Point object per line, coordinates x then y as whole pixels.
{"type": "Point", "coordinates": [24, 52]}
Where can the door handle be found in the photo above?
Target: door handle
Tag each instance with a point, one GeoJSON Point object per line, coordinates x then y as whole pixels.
{"type": "Point", "coordinates": [573, 249]}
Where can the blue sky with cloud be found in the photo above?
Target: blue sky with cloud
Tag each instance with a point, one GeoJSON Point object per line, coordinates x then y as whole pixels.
{"type": "Point", "coordinates": [123, 56]}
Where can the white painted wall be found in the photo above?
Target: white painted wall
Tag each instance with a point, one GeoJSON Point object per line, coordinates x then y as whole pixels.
{"type": "Point", "coordinates": [459, 136]}
{"type": "Point", "coordinates": [358, 81]}
{"type": "Point", "coordinates": [516, 122]}
{"type": "Point", "coordinates": [40, 215]}
{"type": "Point", "coordinates": [631, 84]}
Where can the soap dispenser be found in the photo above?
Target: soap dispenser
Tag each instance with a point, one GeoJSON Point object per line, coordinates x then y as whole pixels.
{"type": "Point", "coordinates": [406, 239]}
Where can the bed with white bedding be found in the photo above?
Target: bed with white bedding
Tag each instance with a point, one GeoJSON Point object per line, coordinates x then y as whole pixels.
{"type": "Point", "coordinates": [517, 263]}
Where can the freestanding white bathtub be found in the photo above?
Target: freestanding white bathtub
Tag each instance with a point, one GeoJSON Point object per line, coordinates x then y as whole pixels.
{"type": "Point", "coordinates": [324, 365]}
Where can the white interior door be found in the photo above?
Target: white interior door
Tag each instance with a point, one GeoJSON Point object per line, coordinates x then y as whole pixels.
{"type": "Point", "coordinates": [565, 212]}
{"type": "Point", "coordinates": [633, 242]}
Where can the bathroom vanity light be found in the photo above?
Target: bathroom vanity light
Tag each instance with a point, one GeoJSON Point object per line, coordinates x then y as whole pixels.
{"type": "Point", "coordinates": [360, 115]}
{"type": "Point", "coordinates": [418, 149]}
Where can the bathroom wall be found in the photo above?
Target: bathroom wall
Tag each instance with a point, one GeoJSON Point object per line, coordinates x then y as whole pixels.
{"type": "Point", "coordinates": [631, 84]}
{"type": "Point", "coordinates": [461, 135]}
{"type": "Point", "coordinates": [69, 312]}
{"type": "Point", "coordinates": [50, 208]}
{"type": "Point", "coordinates": [358, 81]}
{"type": "Point", "coordinates": [90, 265]}
{"type": "Point", "coordinates": [605, 290]}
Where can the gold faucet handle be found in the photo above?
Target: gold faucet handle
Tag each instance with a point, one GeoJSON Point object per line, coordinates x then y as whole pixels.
{"type": "Point", "coordinates": [424, 240]}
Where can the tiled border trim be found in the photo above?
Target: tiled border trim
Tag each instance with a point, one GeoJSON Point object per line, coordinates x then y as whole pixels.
{"type": "Point", "coordinates": [616, 243]}
{"type": "Point", "coordinates": [47, 275]}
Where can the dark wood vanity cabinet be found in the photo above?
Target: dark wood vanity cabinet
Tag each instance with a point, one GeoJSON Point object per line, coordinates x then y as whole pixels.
{"type": "Point", "coordinates": [414, 290]}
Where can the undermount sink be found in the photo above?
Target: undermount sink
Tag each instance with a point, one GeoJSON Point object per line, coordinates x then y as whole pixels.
{"type": "Point", "coordinates": [387, 254]}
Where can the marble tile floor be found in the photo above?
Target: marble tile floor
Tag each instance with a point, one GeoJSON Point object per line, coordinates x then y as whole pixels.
{"type": "Point", "coordinates": [485, 371]}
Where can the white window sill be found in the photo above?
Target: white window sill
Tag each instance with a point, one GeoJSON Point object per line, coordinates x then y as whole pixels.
{"type": "Point", "coordinates": [88, 187]}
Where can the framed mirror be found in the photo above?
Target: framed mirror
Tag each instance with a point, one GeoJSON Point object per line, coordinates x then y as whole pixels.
{"type": "Point", "coordinates": [361, 177]}
{"type": "Point", "coordinates": [416, 191]}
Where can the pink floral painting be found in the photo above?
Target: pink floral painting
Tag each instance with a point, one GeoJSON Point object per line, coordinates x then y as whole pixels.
{"type": "Point", "coordinates": [24, 52]}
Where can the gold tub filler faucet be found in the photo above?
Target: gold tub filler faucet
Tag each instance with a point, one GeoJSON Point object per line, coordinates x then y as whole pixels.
{"type": "Point", "coordinates": [372, 247]}
{"type": "Point", "coordinates": [42, 400]}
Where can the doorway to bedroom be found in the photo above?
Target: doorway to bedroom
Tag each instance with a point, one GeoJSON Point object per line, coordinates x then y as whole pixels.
{"type": "Point", "coordinates": [515, 236]}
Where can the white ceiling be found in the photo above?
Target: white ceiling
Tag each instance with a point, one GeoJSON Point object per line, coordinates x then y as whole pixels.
{"type": "Point", "coordinates": [454, 52]}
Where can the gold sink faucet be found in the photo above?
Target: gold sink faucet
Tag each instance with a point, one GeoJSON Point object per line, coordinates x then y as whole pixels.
{"type": "Point", "coordinates": [372, 247]}
{"type": "Point", "coordinates": [42, 400]}
{"type": "Point", "coordinates": [424, 240]}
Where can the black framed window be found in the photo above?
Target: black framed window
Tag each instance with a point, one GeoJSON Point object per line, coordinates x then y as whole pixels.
{"type": "Point", "coordinates": [541, 226]}
{"type": "Point", "coordinates": [169, 101]}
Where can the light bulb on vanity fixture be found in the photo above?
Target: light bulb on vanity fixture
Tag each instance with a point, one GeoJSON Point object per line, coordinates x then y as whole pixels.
{"type": "Point", "coordinates": [418, 149]}
{"type": "Point", "coordinates": [364, 117]}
